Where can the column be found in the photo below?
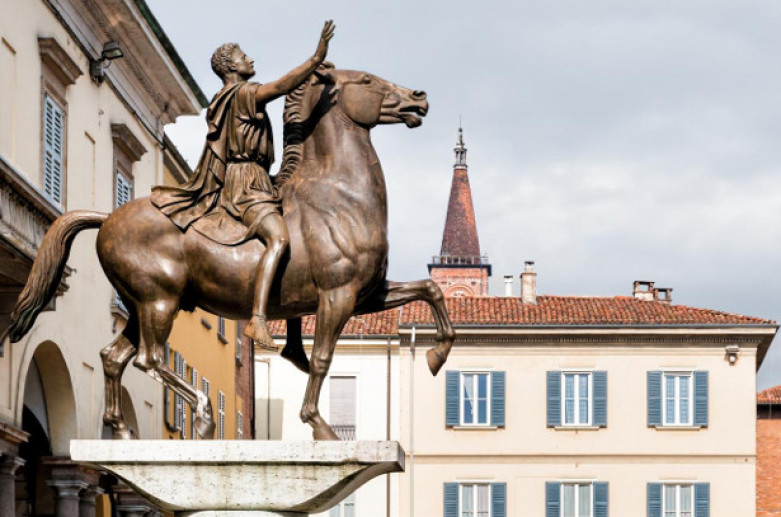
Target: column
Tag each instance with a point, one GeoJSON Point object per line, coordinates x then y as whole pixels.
{"type": "Point", "coordinates": [9, 464]}
{"type": "Point", "coordinates": [87, 500]}
{"type": "Point", "coordinates": [130, 504]}
{"type": "Point", "coordinates": [67, 498]}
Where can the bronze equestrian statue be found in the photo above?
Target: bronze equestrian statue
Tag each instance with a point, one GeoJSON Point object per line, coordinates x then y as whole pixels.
{"type": "Point", "coordinates": [333, 203]}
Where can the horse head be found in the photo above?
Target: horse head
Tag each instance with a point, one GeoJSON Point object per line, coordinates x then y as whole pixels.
{"type": "Point", "coordinates": [369, 100]}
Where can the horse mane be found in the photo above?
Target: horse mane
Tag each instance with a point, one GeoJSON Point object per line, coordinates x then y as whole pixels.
{"type": "Point", "coordinates": [294, 130]}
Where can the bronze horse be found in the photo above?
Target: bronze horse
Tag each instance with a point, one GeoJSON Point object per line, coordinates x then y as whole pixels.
{"type": "Point", "coordinates": [335, 206]}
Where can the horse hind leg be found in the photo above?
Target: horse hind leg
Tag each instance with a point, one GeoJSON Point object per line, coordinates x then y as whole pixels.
{"type": "Point", "coordinates": [155, 321]}
{"type": "Point", "coordinates": [115, 358]}
{"type": "Point", "coordinates": [396, 294]}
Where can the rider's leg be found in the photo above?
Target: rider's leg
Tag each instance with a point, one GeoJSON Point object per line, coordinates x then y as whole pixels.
{"type": "Point", "coordinates": [273, 231]}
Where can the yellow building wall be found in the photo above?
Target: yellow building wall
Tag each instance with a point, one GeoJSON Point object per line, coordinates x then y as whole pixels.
{"type": "Point", "coordinates": [195, 336]}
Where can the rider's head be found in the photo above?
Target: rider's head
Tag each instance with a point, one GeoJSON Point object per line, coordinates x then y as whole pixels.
{"type": "Point", "coordinates": [229, 58]}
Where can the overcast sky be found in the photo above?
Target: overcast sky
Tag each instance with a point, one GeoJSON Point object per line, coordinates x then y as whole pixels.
{"type": "Point", "coordinates": [608, 141]}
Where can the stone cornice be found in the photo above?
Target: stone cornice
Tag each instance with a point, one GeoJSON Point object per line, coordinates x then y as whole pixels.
{"type": "Point", "coordinates": [126, 141]}
{"type": "Point", "coordinates": [58, 61]}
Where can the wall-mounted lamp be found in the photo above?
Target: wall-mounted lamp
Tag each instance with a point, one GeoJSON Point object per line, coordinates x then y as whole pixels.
{"type": "Point", "coordinates": [97, 68]}
{"type": "Point", "coordinates": [732, 353]}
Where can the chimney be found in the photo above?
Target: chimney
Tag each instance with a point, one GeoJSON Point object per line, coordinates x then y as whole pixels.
{"type": "Point", "coordinates": [664, 295]}
{"type": "Point", "coordinates": [643, 290]}
{"type": "Point", "coordinates": [508, 285]}
{"type": "Point", "coordinates": [529, 284]}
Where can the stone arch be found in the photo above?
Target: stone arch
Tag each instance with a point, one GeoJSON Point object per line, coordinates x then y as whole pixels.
{"type": "Point", "coordinates": [457, 290]}
{"type": "Point", "coordinates": [58, 393]}
{"type": "Point", "coordinates": [129, 410]}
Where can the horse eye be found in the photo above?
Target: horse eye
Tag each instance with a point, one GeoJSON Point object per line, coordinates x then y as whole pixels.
{"type": "Point", "coordinates": [366, 78]}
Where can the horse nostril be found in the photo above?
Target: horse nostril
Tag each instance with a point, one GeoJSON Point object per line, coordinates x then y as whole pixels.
{"type": "Point", "coordinates": [418, 94]}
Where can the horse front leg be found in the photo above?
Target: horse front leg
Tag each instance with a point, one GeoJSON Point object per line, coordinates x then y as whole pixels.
{"type": "Point", "coordinates": [334, 309]}
{"type": "Point", "coordinates": [396, 294]}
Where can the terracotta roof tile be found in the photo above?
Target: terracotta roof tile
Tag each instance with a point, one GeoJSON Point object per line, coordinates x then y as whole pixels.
{"type": "Point", "coordinates": [550, 310]}
{"type": "Point", "coordinates": [770, 396]}
{"type": "Point", "coordinates": [460, 235]}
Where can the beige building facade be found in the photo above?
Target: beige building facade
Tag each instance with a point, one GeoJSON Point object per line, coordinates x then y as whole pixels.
{"type": "Point", "coordinates": [553, 407]}
{"type": "Point", "coordinates": [80, 128]}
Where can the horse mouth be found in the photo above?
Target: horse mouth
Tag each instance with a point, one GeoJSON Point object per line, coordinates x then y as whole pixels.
{"type": "Point", "coordinates": [412, 114]}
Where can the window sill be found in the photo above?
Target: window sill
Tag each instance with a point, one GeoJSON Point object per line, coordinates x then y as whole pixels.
{"type": "Point", "coordinates": [577, 428]}
{"type": "Point", "coordinates": [475, 428]}
{"type": "Point", "coordinates": [678, 427]}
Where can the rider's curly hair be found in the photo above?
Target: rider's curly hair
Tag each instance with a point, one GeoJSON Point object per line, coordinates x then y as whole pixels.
{"type": "Point", "coordinates": [222, 59]}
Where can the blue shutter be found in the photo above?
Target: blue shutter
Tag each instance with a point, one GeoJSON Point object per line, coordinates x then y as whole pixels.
{"type": "Point", "coordinates": [552, 499]}
{"type": "Point", "coordinates": [451, 499]}
{"type": "Point", "coordinates": [497, 398]}
{"type": "Point", "coordinates": [498, 499]}
{"type": "Point", "coordinates": [702, 500]}
{"type": "Point", "coordinates": [654, 499]}
{"type": "Point", "coordinates": [600, 399]}
{"type": "Point", "coordinates": [554, 398]}
{"type": "Point", "coordinates": [452, 381]}
{"type": "Point", "coordinates": [600, 499]}
{"type": "Point", "coordinates": [654, 399]}
{"type": "Point", "coordinates": [701, 399]}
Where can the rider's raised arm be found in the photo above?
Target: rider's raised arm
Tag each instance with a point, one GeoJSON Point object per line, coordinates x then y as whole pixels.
{"type": "Point", "coordinates": [290, 81]}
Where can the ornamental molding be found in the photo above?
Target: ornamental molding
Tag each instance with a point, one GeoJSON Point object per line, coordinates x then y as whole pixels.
{"type": "Point", "coordinates": [128, 144]}
{"type": "Point", "coordinates": [58, 62]}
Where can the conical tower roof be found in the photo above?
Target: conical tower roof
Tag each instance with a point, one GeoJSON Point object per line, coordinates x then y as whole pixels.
{"type": "Point", "coordinates": [460, 236]}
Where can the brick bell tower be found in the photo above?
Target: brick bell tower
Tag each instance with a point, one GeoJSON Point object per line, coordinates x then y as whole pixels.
{"type": "Point", "coordinates": [460, 269]}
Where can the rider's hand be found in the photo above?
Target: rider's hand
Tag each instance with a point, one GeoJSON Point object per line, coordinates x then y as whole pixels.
{"type": "Point", "coordinates": [325, 37]}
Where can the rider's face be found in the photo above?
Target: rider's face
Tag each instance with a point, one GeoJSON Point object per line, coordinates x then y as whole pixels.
{"type": "Point", "coordinates": [243, 65]}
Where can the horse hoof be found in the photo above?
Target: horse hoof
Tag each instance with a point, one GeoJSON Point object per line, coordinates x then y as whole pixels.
{"type": "Point", "coordinates": [203, 422]}
{"type": "Point", "coordinates": [435, 361]}
{"type": "Point", "coordinates": [124, 433]}
{"type": "Point", "coordinates": [297, 356]}
{"type": "Point", "coordinates": [324, 432]}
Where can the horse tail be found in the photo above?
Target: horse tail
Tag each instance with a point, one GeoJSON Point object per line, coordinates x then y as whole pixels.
{"type": "Point", "coordinates": [48, 267]}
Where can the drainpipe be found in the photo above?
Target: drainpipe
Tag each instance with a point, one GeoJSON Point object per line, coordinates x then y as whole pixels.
{"type": "Point", "coordinates": [411, 425]}
{"type": "Point", "coordinates": [267, 362]}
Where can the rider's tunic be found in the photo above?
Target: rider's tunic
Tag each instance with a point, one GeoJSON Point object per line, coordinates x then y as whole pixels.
{"type": "Point", "coordinates": [231, 178]}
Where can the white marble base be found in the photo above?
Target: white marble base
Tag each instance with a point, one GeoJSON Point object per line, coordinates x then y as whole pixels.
{"type": "Point", "coordinates": [241, 478]}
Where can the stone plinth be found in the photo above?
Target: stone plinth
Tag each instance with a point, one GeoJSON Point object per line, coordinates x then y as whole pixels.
{"type": "Point", "coordinates": [231, 478]}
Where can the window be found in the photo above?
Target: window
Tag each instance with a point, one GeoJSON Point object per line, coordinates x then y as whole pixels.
{"type": "Point", "coordinates": [474, 398]}
{"type": "Point", "coordinates": [678, 499]}
{"type": "Point", "coordinates": [123, 190]}
{"type": "Point", "coordinates": [221, 330]}
{"type": "Point", "coordinates": [576, 392]}
{"type": "Point", "coordinates": [576, 499]}
{"type": "Point", "coordinates": [238, 343]}
{"type": "Point", "coordinates": [343, 406]}
{"type": "Point", "coordinates": [479, 499]}
{"type": "Point", "coordinates": [577, 399]}
{"type": "Point", "coordinates": [239, 425]}
{"type": "Point", "coordinates": [194, 384]}
{"type": "Point", "coordinates": [53, 150]}
{"type": "Point", "coordinates": [344, 509]}
{"type": "Point", "coordinates": [205, 386]}
{"type": "Point", "coordinates": [221, 416]}
{"type": "Point", "coordinates": [677, 399]}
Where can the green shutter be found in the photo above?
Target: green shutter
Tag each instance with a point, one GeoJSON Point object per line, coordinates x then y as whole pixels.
{"type": "Point", "coordinates": [701, 399]}
{"type": "Point", "coordinates": [498, 499]}
{"type": "Point", "coordinates": [654, 398]}
{"type": "Point", "coordinates": [702, 500]}
{"type": "Point", "coordinates": [554, 398]}
{"type": "Point", "coordinates": [552, 499]}
{"type": "Point", "coordinates": [451, 499]}
{"type": "Point", "coordinates": [497, 398]}
{"type": "Point", "coordinates": [600, 398]}
{"type": "Point", "coordinates": [452, 382]}
{"type": "Point", "coordinates": [654, 500]}
{"type": "Point", "coordinates": [600, 500]}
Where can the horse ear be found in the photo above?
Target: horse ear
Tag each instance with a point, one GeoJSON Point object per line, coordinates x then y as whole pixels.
{"type": "Point", "coordinates": [322, 77]}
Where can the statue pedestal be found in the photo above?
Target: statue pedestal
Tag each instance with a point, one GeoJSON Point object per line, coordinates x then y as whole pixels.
{"type": "Point", "coordinates": [240, 478]}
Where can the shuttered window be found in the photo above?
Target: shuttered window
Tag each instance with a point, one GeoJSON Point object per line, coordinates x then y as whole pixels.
{"type": "Point", "coordinates": [123, 189]}
{"type": "Point", "coordinates": [677, 399]}
{"type": "Point", "coordinates": [678, 500]}
{"type": "Point", "coordinates": [576, 398]}
{"type": "Point", "coordinates": [563, 499]}
{"type": "Point", "coordinates": [343, 395]}
{"type": "Point", "coordinates": [475, 399]}
{"type": "Point", "coordinates": [344, 509]}
{"type": "Point", "coordinates": [53, 150]}
{"type": "Point", "coordinates": [239, 425]}
{"type": "Point", "coordinates": [221, 416]}
{"type": "Point", "coordinates": [475, 500]}
{"type": "Point", "coordinates": [194, 384]}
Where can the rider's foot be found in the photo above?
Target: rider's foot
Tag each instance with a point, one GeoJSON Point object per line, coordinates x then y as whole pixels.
{"type": "Point", "coordinates": [258, 330]}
